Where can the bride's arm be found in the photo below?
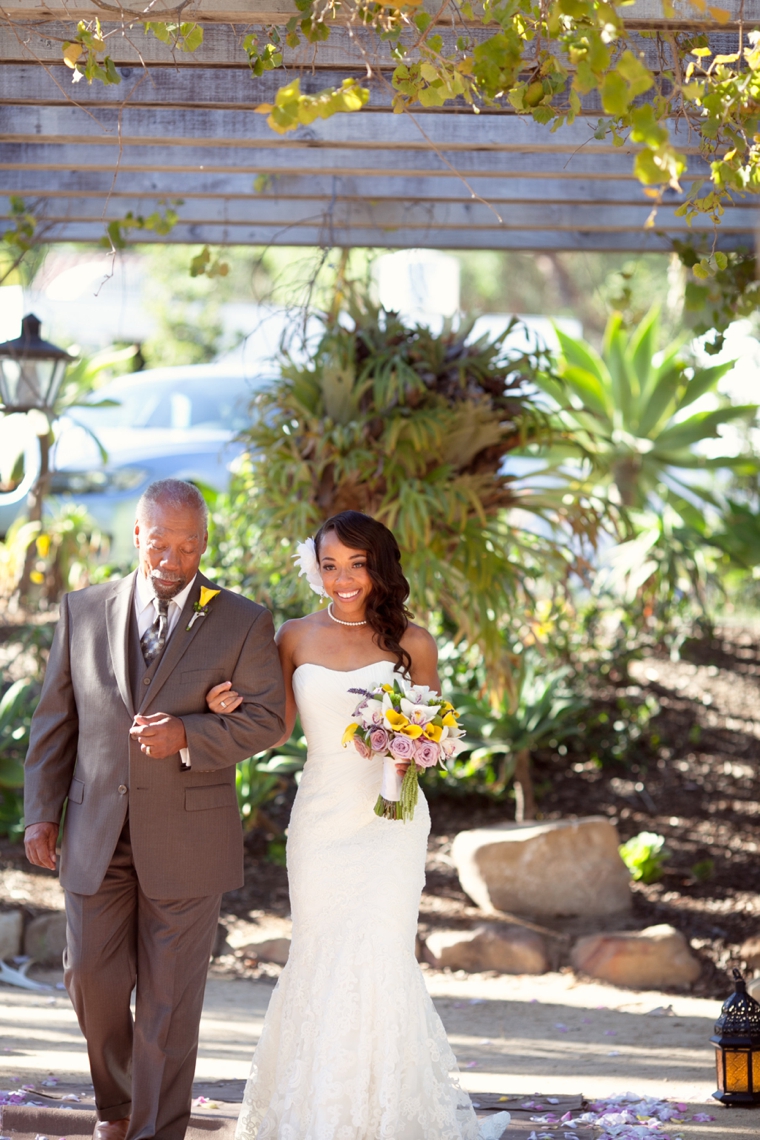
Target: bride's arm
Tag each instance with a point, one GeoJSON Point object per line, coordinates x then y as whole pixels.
{"type": "Point", "coordinates": [285, 642]}
{"type": "Point", "coordinates": [223, 699]}
{"type": "Point", "coordinates": [422, 649]}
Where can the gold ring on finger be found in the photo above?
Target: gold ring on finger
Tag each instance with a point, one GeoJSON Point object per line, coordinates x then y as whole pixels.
{"type": "Point", "coordinates": [147, 749]}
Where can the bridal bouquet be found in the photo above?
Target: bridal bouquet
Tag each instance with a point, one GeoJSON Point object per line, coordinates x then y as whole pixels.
{"type": "Point", "coordinates": [403, 723]}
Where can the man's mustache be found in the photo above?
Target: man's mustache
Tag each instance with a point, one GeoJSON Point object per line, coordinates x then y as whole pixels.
{"type": "Point", "coordinates": [165, 577]}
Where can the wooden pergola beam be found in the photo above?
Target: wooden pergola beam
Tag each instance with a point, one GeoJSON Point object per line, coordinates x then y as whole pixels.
{"type": "Point", "coordinates": [640, 14]}
{"type": "Point", "coordinates": [126, 184]}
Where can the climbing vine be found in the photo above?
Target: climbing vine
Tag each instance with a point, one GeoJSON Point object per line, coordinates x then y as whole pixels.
{"type": "Point", "coordinates": [547, 59]}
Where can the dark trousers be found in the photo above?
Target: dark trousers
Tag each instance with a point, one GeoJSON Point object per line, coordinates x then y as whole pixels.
{"type": "Point", "coordinates": [119, 938]}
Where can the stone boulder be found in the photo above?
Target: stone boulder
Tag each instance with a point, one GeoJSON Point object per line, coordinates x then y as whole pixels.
{"type": "Point", "coordinates": [11, 930]}
{"type": "Point", "coordinates": [274, 950]}
{"type": "Point", "coordinates": [491, 946]}
{"type": "Point", "coordinates": [641, 959]}
{"type": "Point", "coordinates": [566, 867]}
{"type": "Point", "coordinates": [45, 938]}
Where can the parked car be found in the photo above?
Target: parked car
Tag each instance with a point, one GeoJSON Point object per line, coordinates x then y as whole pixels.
{"type": "Point", "coordinates": [177, 423]}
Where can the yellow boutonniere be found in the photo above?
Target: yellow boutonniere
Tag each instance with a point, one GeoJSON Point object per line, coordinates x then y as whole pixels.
{"type": "Point", "coordinates": [201, 606]}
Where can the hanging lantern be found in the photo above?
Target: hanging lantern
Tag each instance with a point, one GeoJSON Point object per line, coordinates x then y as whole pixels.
{"type": "Point", "coordinates": [737, 1047]}
{"type": "Point", "coordinates": [31, 370]}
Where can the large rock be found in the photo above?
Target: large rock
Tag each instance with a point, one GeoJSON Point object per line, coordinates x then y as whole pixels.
{"type": "Point", "coordinates": [567, 867]}
{"type": "Point", "coordinates": [642, 959]}
{"type": "Point", "coordinates": [491, 946]}
{"type": "Point", "coordinates": [45, 938]}
{"type": "Point", "coordinates": [11, 930]}
{"type": "Point", "coordinates": [750, 952]}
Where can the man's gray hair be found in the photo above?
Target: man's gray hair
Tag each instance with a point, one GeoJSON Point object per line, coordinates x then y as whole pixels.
{"type": "Point", "coordinates": [172, 493]}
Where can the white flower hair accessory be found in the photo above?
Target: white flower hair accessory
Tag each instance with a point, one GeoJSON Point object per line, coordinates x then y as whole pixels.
{"type": "Point", "coordinates": [306, 561]}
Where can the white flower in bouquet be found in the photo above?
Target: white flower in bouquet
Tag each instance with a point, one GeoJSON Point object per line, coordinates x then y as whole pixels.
{"type": "Point", "coordinates": [403, 723]}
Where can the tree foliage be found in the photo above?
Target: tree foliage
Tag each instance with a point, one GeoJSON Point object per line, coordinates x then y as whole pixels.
{"type": "Point", "coordinates": [412, 428]}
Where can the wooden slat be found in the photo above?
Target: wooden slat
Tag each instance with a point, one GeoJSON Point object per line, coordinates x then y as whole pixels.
{"type": "Point", "coordinates": [429, 217]}
{"type": "Point", "coordinates": [134, 183]}
{"type": "Point", "coordinates": [223, 47]}
{"type": "Point", "coordinates": [644, 13]}
{"type": "Point", "coordinates": [166, 127]}
{"type": "Point", "coordinates": [316, 235]}
{"type": "Point", "coordinates": [307, 161]}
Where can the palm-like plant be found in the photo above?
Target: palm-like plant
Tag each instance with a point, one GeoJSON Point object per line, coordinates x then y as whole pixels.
{"type": "Point", "coordinates": [625, 410]}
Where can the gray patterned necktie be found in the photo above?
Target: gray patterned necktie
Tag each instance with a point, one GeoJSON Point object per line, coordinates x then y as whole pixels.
{"type": "Point", "coordinates": [153, 640]}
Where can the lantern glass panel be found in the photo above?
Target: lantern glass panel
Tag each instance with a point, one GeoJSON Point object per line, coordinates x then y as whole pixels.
{"type": "Point", "coordinates": [737, 1070]}
{"type": "Point", "coordinates": [756, 1070]}
{"type": "Point", "coordinates": [719, 1069]}
{"type": "Point", "coordinates": [30, 383]}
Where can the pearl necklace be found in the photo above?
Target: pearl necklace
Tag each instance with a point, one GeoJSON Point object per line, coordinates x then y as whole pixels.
{"type": "Point", "coordinates": [330, 614]}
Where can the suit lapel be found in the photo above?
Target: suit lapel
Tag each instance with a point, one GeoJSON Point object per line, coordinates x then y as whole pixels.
{"type": "Point", "coordinates": [118, 607]}
{"type": "Point", "coordinates": [179, 642]}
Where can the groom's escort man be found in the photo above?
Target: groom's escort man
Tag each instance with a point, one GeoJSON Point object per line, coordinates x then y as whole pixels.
{"type": "Point", "coordinates": [152, 834]}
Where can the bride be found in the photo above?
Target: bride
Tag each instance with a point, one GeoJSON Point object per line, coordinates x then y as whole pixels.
{"type": "Point", "coordinates": [352, 1047]}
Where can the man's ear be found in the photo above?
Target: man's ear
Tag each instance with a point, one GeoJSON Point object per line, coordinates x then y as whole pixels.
{"type": "Point", "coordinates": [136, 534]}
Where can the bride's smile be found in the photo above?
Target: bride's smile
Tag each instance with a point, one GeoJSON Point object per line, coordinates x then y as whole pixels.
{"type": "Point", "coordinates": [346, 578]}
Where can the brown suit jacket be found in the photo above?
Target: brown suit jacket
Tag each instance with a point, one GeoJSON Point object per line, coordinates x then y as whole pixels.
{"type": "Point", "coordinates": [184, 824]}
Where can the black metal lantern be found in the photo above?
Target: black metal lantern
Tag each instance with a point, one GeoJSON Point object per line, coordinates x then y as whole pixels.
{"type": "Point", "coordinates": [737, 1047]}
{"type": "Point", "coordinates": [31, 370]}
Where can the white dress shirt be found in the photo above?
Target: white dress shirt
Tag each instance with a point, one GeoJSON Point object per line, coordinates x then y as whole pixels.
{"type": "Point", "coordinates": [146, 611]}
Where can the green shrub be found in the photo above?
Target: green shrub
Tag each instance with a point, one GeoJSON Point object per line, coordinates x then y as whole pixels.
{"type": "Point", "coordinates": [644, 856]}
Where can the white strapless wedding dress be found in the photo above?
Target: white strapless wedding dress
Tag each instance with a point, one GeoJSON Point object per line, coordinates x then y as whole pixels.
{"type": "Point", "coordinates": [352, 1047]}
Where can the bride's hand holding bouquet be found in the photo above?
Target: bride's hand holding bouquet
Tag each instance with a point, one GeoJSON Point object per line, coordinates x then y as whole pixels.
{"type": "Point", "coordinates": [405, 725]}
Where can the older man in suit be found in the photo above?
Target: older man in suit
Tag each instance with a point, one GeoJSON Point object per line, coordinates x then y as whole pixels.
{"type": "Point", "coordinates": [152, 834]}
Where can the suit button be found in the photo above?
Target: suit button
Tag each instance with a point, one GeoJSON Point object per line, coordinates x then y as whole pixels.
{"type": "Point", "coordinates": [146, 680]}
{"type": "Point", "coordinates": [122, 789]}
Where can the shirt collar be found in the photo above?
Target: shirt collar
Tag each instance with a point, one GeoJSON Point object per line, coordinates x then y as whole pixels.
{"type": "Point", "coordinates": [145, 597]}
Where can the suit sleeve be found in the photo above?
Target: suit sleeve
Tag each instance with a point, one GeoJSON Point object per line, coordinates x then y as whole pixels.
{"type": "Point", "coordinates": [222, 741]}
{"type": "Point", "coordinates": [54, 733]}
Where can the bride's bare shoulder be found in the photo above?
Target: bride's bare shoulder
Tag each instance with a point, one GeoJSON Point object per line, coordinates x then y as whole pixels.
{"type": "Point", "coordinates": [292, 631]}
{"type": "Point", "coordinates": [420, 644]}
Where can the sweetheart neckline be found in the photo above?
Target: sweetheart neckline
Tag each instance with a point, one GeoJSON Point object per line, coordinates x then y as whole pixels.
{"type": "Point", "coordinates": [315, 665]}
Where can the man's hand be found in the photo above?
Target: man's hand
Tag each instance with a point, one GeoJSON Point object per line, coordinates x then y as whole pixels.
{"type": "Point", "coordinates": [39, 842]}
{"type": "Point", "coordinates": [159, 735]}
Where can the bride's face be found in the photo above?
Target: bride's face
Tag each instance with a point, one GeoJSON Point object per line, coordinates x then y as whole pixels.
{"type": "Point", "coordinates": [345, 575]}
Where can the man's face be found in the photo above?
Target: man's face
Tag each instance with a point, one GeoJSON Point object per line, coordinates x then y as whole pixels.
{"type": "Point", "coordinates": [170, 542]}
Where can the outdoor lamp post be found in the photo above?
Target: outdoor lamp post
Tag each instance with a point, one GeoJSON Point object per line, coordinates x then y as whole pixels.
{"type": "Point", "coordinates": [737, 1047]}
{"type": "Point", "coordinates": [31, 370]}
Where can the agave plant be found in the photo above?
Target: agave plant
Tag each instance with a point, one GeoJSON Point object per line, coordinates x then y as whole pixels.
{"type": "Point", "coordinates": [626, 410]}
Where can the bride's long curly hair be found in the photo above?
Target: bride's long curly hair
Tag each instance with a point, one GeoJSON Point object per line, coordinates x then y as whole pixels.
{"type": "Point", "coordinates": [386, 611]}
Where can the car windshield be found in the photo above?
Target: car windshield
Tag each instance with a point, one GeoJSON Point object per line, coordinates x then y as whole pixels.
{"type": "Point", "coordinates": [213, 403]}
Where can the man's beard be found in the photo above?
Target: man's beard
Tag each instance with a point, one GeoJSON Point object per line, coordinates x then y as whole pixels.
{"type": "Point", "coordinates": [166, 592]}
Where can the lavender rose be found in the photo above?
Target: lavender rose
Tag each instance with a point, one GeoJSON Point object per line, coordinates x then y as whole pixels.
{"type": "Point", "coordinates": [402, 747]}
{"type": "Point", "coordinates": [426, 753]}
{"type": "Point", "coordinates": [378, 740]}
{"type": "Point", "coordinates": [361, 747]}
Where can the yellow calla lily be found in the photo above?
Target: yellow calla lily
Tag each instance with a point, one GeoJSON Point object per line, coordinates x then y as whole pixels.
{"type": "Point", "coordinates": [411, 730]}
{"type": "Point", "coordinates": [387, 688]}
{"type": "Point", "coordinates": [395, 719]}
{"type": "Point", "coordinates": [433, 732]}
{"type": "Point", "coordinates": [450, 720]}
{"type": "Point", "coordinates": [348, 735]}
{"type": "Point", "coordinates": [207, 595]}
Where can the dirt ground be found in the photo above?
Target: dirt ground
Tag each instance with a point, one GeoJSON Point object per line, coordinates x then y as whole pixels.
{"type": "Point", "coordinates": [694, 779]}
{"type": "Point", "coordinates": [519, 1038]}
